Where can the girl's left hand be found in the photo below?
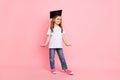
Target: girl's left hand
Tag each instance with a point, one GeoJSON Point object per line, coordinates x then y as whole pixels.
{"type": "Point", "coordinates": [68, 44]}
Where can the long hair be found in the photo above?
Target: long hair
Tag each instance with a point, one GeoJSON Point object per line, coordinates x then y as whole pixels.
{"type": "Point", "coordinates": [52, 24]}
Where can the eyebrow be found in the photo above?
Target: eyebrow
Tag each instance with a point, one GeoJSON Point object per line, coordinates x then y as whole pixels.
{"type": "Point", "coordinates": [58, 18]}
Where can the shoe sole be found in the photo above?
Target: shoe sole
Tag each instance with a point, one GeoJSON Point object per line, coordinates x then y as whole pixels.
{"type": "Point", "coordinates": [67, 73]}
{"type": "Point", "coordinates": [70, 73]}
{"type": "Point", "coordinates": [54, 72]}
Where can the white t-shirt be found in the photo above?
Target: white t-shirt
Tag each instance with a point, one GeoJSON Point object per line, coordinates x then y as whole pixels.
{"type": "Point", "coordinates": [56, 37]}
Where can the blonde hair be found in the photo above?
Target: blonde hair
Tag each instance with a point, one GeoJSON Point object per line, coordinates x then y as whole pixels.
{"type": "Point", "coordinates": [53, 22]}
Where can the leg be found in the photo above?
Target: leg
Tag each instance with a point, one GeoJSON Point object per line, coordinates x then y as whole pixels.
{"type": "Point", "coordinates": [62, 59]}
{"type": "Point", "coordinates": [51, 58]}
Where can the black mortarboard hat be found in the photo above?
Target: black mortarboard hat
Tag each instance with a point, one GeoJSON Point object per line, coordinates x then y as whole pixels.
{"type": "Point", "coordinates": [55, 13]}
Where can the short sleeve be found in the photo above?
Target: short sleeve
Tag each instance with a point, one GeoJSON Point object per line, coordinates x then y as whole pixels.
{"type": "Point", "coordinates": [49, 31]}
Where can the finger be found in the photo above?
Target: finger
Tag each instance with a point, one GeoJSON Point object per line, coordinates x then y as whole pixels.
{"type": "Point", "coordinates": [42, 45]}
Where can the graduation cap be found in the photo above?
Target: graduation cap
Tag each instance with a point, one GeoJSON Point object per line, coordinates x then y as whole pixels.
{"type": "Point", "coordinates": [55, 13]}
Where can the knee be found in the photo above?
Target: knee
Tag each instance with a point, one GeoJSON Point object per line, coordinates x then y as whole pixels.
{"type": "Point", "coordinates": [51, 58]}
{"type": "Point", "coordinates": [62, 59]}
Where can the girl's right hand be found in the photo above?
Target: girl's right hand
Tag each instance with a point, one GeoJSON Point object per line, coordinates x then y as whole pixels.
{"type": "Point", "coordinates": [43, 45]}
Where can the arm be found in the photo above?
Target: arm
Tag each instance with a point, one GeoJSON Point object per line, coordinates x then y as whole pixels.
{"type": "Point", "coordinates": [65, 41]}
{"type": "Point", "coordinates": [47, 41]}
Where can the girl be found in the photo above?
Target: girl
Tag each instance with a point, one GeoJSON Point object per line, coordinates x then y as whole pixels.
{"type": "Point", "coordinates": [55, 36]}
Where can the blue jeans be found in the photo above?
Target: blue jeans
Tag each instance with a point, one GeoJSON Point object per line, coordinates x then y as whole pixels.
{"type": "Point", "coordinates": [61, 57]}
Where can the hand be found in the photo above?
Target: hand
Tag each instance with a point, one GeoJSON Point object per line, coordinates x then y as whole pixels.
{"type": "Point", "coordinates": [43, 45]}
{"type": "Point", "coordinates": [68, 44]}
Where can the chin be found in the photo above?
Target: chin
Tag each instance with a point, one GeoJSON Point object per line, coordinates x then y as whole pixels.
{"type": "Point", "coordinates": [58, 23]}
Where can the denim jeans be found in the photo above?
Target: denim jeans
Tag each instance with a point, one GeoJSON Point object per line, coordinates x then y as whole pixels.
{"type": "Point", "coordinates": [61, 57]}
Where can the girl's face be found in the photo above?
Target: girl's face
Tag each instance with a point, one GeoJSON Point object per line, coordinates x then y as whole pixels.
{"type": "Point", "coordinates": [57, 20]}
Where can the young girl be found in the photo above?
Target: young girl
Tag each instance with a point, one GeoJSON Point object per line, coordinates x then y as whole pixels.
{"type": "Point", "coordinates": [55, 36]}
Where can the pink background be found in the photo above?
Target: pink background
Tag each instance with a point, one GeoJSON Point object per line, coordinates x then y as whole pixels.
{"type": "Point", "coordinates": [91, 26]}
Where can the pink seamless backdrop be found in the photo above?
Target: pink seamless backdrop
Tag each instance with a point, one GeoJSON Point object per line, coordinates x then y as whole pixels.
{"type": "Point", "coordinates": [91, 26]}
